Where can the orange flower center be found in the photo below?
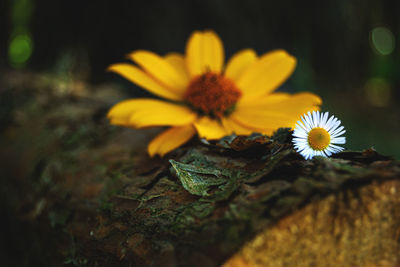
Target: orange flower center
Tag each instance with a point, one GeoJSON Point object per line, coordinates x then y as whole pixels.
{"type": "Point", "coordinates": [319, 139]}
{"type": "Point", "coordinates": [212, 94]}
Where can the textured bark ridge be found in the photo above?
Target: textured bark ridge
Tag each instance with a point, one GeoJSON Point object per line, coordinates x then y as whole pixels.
{"type": "Point", "coordinates": [81, 192]}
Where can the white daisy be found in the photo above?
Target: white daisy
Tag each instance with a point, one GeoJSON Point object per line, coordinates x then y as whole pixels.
{"type": "Point", "coordinates": [316, 135]}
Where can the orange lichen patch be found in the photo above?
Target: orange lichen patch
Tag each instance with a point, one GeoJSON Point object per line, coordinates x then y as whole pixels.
{"type": "Point", "coordinates": [212, 94]}
{"type": "Point", "coordinates": [348, 229]}
{"type": "Point", "coordinates": [319, 139]}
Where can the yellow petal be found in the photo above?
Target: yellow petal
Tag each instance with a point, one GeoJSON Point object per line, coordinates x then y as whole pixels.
{"type": "Point", "coordinates": [204, 52]}
{"type": "Point", "coordinates": [276, 111]}
{"type": "Point", "coordinates": [141, 113]}
{"type": "Point", "coordinates": [120, 122]}
{"type": "Point", "coordinates": [243, 121]}
{"type": "Point", "coordinates": [263, 100]}
{"type": "Point", "coordinates": [162, 114]}
{"type": "Point", "coordinates": [262, 120]}
{"type": "Point", "coordinates": [266, 74]}
{"type": "Point", "coordinates": [160, 69]}
{"type": "Point", "coordinates": [233, 126]}
{"type": "Point", "coordinates": [239, 63]}
{"type": "Point", "coordinates": [210, 129]}
{"type": "Point", "coordinates": [298, 104]}
{"type": "Point", "coordinates": [142, 79]}
{"type": "Point", "coordinates": [124, 109]}
{"type": "Point", "coordinates": [285, 103]}
{"type": "Point", "coordinates": [170, 139]}
{"type": "Point", "coordinates": [178, 62]}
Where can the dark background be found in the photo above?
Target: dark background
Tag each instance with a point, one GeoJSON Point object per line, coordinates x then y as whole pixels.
{"type": "Point", "coordinates": [347, 51]}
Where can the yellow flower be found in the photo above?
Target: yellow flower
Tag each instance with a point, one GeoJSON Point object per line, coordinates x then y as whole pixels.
{"type": "Point", "coordinates": [204, 97]}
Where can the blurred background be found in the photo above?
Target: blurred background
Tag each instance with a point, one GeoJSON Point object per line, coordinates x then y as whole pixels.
{"type": "Point", "coordinates": [348, 51]}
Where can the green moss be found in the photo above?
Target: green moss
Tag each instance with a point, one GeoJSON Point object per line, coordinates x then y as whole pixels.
{"type": "Point", "coordinates": [111, 188]}
{"type": "Point", "coordinates": [189, 216]}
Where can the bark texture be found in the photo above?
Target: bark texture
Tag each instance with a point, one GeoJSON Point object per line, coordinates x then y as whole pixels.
{"type": "Point", "coordinates": [78, 191]}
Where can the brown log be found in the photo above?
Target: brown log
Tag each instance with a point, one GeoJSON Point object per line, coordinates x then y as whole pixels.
{"type": "Point", "coordinates": [78, 191]}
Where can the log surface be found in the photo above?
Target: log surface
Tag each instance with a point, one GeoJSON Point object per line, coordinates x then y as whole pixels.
{"type": "Point", "coordinates": [78, 191]}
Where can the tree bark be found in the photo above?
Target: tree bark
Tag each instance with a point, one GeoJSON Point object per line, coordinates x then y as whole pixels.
{"type": "Point", "coordinates": [78, 191]}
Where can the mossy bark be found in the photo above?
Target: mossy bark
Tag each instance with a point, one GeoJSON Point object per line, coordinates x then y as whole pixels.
{"type": "Point", "coordinates": [78, 191]}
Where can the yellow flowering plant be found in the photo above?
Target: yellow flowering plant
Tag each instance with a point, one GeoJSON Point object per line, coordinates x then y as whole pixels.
{"type": "Point", "coordinates": [201, 95]}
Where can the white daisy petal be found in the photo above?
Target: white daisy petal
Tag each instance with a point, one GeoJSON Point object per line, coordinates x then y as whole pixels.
{"type": "Point", "coordinates": [324, 119]}
{"type": "Point", "coordinates": [337, 124]}
{"type": "Point", "coordinates": [339, 140]}
{"type": "Point", "coordinates": [315, 119]}
{"type": "Point", "coordinates": [301, 127]}
{"type": "Point", "coordinates": [307, 122]}
{"type": "Point", "coordinates": [300, 134]}
{"type": "Point", "coordinates": [333, 125]}
{"type": "Point", "coordinates": [338, 134]}
{"type": "Point", "coordinates": [310, 118]}
{"type": "Point", "coordinates": [337, 130]}
{"type": "Point", "coordinates": [328, 123]}
{"type": "Point", "coordinates": [338, 148]}
{"type": "Point", "coordinates": [321, 118]}
{"type": "Point", "coordinates": [317, 134]}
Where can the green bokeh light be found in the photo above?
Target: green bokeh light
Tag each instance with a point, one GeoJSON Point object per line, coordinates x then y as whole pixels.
{"type": "Point", "coordinates": [20, 50]}
{"type": "Point", "coordinates": [382, 40]}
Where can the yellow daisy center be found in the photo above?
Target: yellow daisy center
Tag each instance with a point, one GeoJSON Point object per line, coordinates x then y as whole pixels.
{"type": "Point", "coordinates": [212, 94]}
{"type": "Point", "coordinates": [319, 139]}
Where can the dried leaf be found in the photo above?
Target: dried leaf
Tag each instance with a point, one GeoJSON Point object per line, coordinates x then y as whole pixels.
{"type": "Point", "coordinates": [197, 180]}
